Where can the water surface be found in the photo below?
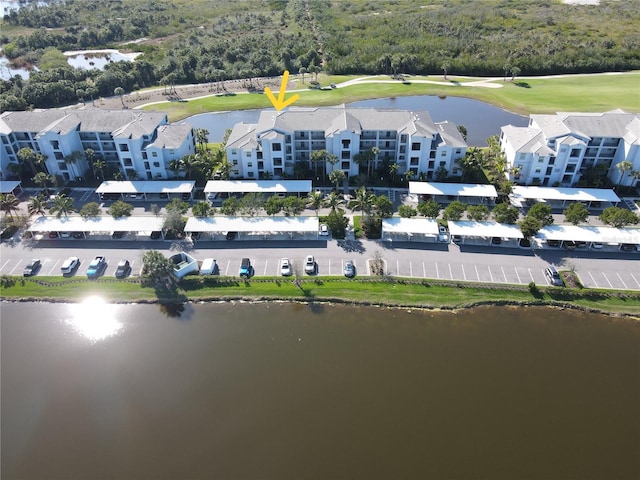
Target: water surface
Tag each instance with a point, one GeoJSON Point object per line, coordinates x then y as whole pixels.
{"type": "Point", "coordinates": [279, 391]}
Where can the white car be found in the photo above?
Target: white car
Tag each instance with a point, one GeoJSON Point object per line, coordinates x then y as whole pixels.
{"type": "Point", "coordinates": [285, 267]}
{"type": "Point", "coordinates": [310, 265]}
{"type": "Point", "coordinates": [69, 265]}
{"type": "Point", "coordinates": [597, 245]}
{"type": "Point", "coordinates": [324, 230]}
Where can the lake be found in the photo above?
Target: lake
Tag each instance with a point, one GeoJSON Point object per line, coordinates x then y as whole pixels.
{"type": "Point", "coordinates": [279, 391]}
{"type": "Point", "coordinates": [481, 119]}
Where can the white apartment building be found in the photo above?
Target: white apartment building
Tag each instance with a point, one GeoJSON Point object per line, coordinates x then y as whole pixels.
{"type": "Point", "coordinates": [138, 144]}
{"type": "Point", "coordinates": [273, 146]}
{"type": "Point", "coordinates": [556, 150]}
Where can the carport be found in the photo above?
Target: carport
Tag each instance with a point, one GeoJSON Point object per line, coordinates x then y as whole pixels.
{"type": "Point", "coordinates": [215, 187]}
{"type": "Point", "coordinates": [255, 228]}
{"type": "Point", "coordinates": [140, 225]}
{"type": "Point", "coordinates": [520, 196]}
{"type": "Point", "coordinates": [484, 230]}
{"type": "Point", "coordinates": [409, 229]}
{"type": "Point", "coordinates": [170, 188]}
{"type": "Point", "coordinates": [446, 192]}
{"type": "Point", "coordinates": [590, 234]}
{"type": "Point", "coordinates": [10, 186]}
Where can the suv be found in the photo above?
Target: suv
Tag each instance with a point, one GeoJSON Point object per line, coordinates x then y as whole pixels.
{"type": "Point", "coordinates": [554, 277]}
{"type": "Point", "coordinates": [123, 270]}
{"type": "Point", "coordinates": [349, 269]}
{"type": "Point", "coordinates": [70, 265]}
{"type": "Point", "coordinates": [310, 265]}
{"type": "Point", "coordinates": [245, 268]}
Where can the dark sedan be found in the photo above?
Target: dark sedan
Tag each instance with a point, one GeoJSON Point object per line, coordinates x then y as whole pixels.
{"type": "Point", "coordinates": [32, 268]}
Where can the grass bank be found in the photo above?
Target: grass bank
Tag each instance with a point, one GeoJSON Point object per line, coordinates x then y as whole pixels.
{"type": "Point", "coordinates": [410, 293]}
{"type": "Point", "coordinates": [577, 93]}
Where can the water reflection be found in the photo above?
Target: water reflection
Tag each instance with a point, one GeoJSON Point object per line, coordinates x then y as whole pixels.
{"type": "Point", "coordinates": [94, 319]}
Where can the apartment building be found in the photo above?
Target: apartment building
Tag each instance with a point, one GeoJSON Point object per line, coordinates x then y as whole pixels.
{"type": "Point", "coordinates": [557, 150]}
{"type": "Point", "coordinates": [137, 144]}
{"type": "Point", "coordinates": [272, 147]}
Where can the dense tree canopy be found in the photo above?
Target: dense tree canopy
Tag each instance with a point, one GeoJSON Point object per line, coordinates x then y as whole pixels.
{"type": "Point", "coordinates": [228, 39]}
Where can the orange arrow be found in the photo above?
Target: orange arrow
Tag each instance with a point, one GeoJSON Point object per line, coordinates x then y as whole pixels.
{"type": "Point", "coordinates": [279, 103]}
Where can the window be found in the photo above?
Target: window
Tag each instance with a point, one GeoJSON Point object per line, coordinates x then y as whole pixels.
{"type": "Point", "coordinates": [250, 174]}
{"type": "Point", "coordinates": [414, 161]}
{"type": "Point", "coordinates": [345, 166]}
{"type": "Point", "coordinates": [250, 164]}
{"type": "Point", "coordinates": [346, 155]}
{"type": "Point", "coordinates": [346, 143]}
{"type": "Point", "coordinates": [540, 159]}
{"type": "Point", "coordinates": [58, 155]}
{"type": "Point", "coordinates": [570, 168]}
{"type": "Point", "coordinates": [248, 154]}
{"type": "Point", "coordinates": [276, 147]}
{"type": "Point", "coordinates": [575, 152]}
{"type": "Point", "coordinates": [277, 162]}
{"type": "Point", "coordinates": [156, 164]}
{"type": "Point", "coordinates": [522, 156]}
{"type": "Point", "coordinates": [552, 160]}
{"type": "Point", "coordinates": [432, 164]}
{"type": "Point", "coordinates": [538, 170]}
{"type": "Point", "coordinates": [154, 154]}
{"type": "Point", "coordinates": [234, 151]}
{"type": "Point", "coordinates": [62, 166]}
{"type": "Point", "coordinates": [55, 144]}
{"type": "Point", "coordinates": [458, 151]}
{"type": "Point", "coordinates": [235, 162]}
{"type": "Point", "coordinates": [146, 165]}
{"type": "Point", "coordinates": [443, 164]}
{"type": "Point", "coordinates": [443, 153]}
{"type": "Point", "coordinates": [124, 147]}
{"type": "Point", "coordinates": [415, 146]}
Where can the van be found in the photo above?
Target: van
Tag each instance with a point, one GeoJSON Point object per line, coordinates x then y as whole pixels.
{"type": "Point", "coordinates": [208, 266]}
{"type": "Point", "coordinates": [554, 277]}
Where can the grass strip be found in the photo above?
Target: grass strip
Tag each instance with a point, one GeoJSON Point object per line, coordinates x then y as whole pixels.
{"type": "Point", "coordinates": [364, 291]}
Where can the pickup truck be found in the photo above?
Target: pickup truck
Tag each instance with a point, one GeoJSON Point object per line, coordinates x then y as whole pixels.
{"type": "Point", "coordinates": [96, 266]}
{"type": "Point", "coordinates": [245, 268]}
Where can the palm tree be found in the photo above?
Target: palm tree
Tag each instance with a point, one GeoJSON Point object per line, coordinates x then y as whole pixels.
{"type": "Point", "coordinates": [332, 159]}
{"type": "Point", "coordinates": [71, 160]}
{"type": "Point", "coordinates": [318, 156]}
{"type": "Point", "coordinates": [43, 180]}
{"type": "Point", "coordinates": [302, 71]}
{"type": "Point", "coordinates": [393, 171]}
{"type": "Point", "coordinates": [28, 156]}
{"type": "Point", "coordinates": [201, 137]}
{"type": "Point", "coordinates": [119, 91]}
{"type": "Point", "coordinates": [36, 206]}
{"type": "Point", "coordinates": [334, 201]}
{"type": "Point", "coordinates": [315, 200]}
{"type": "Point", "coordinates": [445, 68]}
{"type": "Point", "coordinates": [62, 205]}
{"type": "Point", "coordinates": [364, 201]}
{"type": "Point", "coordinates": [336, 177]}
{"type": "Point", "coordinates": [175, 166]}
{"type": "Point", "coordinates": [623, 168]}
{"type": "Point", "coordinates": [99, 165]}
{"type": "Point", "coordinates": [9, 203]}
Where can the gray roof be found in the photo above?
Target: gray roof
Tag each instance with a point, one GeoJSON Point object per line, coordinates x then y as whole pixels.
{"type": "Point", "coordinates": [450, 135]}
{"type": "Point", "coordinates": [527, 139]}
{"type": "Point", "coordinates": [333, 119]}
{"type": "Point", "coordinates": [172, 136]}
{"type": "Point", "coordinates": [242, 135]}
{"type": "Point", "coordinates": [614, 124]}
{"type": "Point", "coordinates": [120, 123]}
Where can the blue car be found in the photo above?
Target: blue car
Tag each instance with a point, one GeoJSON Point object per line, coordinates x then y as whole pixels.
{"type": "Point", "coordinates": [96, 267]}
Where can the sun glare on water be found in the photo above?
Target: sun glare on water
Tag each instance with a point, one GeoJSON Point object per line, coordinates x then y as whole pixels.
{"type": "Point", "coordinates": [95, 319]}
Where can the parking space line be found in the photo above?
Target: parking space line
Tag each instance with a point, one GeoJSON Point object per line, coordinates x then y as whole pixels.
{"type": "Point", "coordinates": [490, 274]}
{"type": "Point", "coordinates": [593, 280]}
{"type": "Point", "coordinates": [477, 274]}
{"type": "Point", "coordinates": [464, 274]}
{"type": "Point", "coordinates": [424, 271]}
{"type": "Point", "coordinates": [266, 262]}
{"type": "Point", "coordinates": [605, 277]}
{"type": "Point", "coordinates": [531, 275]}
{"type": "Point", "coordinates": [410, 269]}
{"type": "Point", "coordinates": [634, 279]}
{"type": "Point", "coordinates": [397, 267]}
{"type": "Point", "coordinates": [226, 272]}
{"type": "Point", "coordinates": [437, 273]}
{"type": "Point", "coordinates": [54, 266]}
{"type": "Point", "coordinates": [4, 265]}
{"type": "Point", "coordinates": [12, 270]}
{"type": "Point", "coordinates": [519, 281]}
{"type": "Point", "coordinates": [450, 272]}
{"type": "Point", "coordinates": [504, 275]}
{"type": "Point", "coordinates": [625, 285]}
{"type": "Point", "coordinates": [329, 266]}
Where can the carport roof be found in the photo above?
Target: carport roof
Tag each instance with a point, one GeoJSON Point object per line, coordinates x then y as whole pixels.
{"type": "Point", "coordinates": [9, 186]}
{"type": "Point", "coordinates": [484, 229]}
{"type": "Point", "coordinates": [410, 225]}
{"type": "Point", "coordinates": [252, 224]}
{"type": "Point", "coordinates": [457, 189]}
{"type": "Point", "coordinates": [590, 234]}
{"type": "Point", "coordinates": [574, 194]}
{"type": "Point", "coordinates": [74, 223]}
{"type": "Point", "coordinates": [264, 186]}
{"type": "Point", "coordinates": [156, 186]}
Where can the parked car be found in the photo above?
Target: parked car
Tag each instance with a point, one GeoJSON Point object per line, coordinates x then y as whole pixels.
{"type": "Point", "coordinates": [232, 235]}
{"type": "Point", "coordinates": [597, 245]}
{"type": "Point", "coordinates": [324, 230]}
{"type": "Point", "coordinates": [186, 196]}
{"type": "Point", "coordinates": [285, 267]}
{"type": "Point", "coordinates": [164, 196]}
{"type": "Point", "coordinates": [78, 235]}
{"type": "Point", "coordinates": [554, 277]}
{"type": "Point", "coordinates": [156, 235]}
{"type": "Point", "coordinates": [496, 240]}
{"type": "Point", "coordinates": [65, 234]}
{"type": "Point", "coordinates": [310, 265]}
{"type": "Point", "coordinates": [32, 268]}
{"type": "Point", "coordinates": [209, 267]}
{"type": "Point", "coordinates": [629, 247]}
{"type": "Point", "coordinates": [349, 269]}
{"type": "Point", "coordinates": [96, 267]}
{"type": "Point", "coordinates": [123, 269]}
{"type": "Point", "coordinates": [553, 243]}
{"type": "Point", "coordinates": [117, 234]}
{"type": "Point", "coordinates": [53, 234]}
{"type": "Point", "coordinates": [245, 268]}
{"type": "Point", "coordinates": [69, 266]}
{"type": "Point", "coordinates": [569, 245]}
{"type": "Point", "coordinates": [581, 244]}
{"type": "Point", "coordinates": [456, 238]}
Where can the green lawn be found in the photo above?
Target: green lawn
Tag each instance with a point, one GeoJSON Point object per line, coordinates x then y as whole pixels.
{"type": "Point", "coordinates": [418, 294]}
{"type": "Point", "coordinates": [589, 93]}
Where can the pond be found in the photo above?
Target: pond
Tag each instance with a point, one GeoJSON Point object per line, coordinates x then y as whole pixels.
{"type": "Point", "coordinates": [481, 119]}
